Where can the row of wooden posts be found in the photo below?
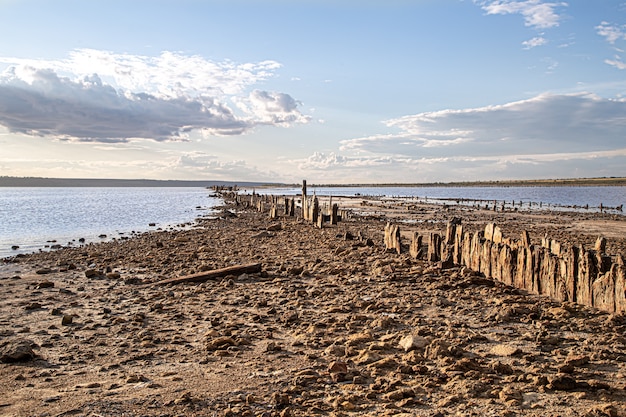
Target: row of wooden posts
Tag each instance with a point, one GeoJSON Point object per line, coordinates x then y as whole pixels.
{"type": "Point", "coordinates": [309, 209]}
{"type": "Point", "coordinates": [565, 272]}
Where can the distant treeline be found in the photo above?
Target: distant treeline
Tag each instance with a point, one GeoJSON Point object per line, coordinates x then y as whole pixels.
{"type": "Point", "coordinates": [582, 182]}
{"type": "Point", "coordinates": [91, 182]}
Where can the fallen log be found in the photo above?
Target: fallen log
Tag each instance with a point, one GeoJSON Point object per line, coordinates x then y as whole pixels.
{"type": "Point", "coordinates": [208, 275]}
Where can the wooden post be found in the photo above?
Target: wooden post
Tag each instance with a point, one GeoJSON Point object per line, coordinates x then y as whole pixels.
{"type": "Point", "coordinates": [333, 214]}
{"type": "Point", "coordinates": [416, 246]}
{"type": "Point", "coordinates": [392, 238]}
{"type": "Point", "coordinates": [305, 208]}
{"type": "Point", "coordinates": [315, 211]}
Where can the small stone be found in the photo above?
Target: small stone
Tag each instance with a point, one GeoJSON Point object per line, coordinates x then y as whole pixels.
{"type": "Point", "coordinates": [338, 367]}
{"type": "Point", "coordinates": [67, 319]}
{"type": "Point", "coordinates": [17, 351]}
{"type": "Point", "coordinates": [505, 350]}
{"type": "Point", "coordinates": [274, 227]}
{"type": "Point", "coordinates": [412, 342]}
{"type": "Point", "coordinates": [133, 379]}
{"type": "Point", "coordinates": [221, 342]}
{"type": "Point", "coordinates": [44, 284]}
{"type": "Point", "coordinates": [511, 396]}
{"type": "Point", "coordinates": [92, 273]}
{"type": "Point", "coordinates": [43, 271]}
{"type": "Point", "coordinates": [577, 360]}
{"type": "Point", "coordinates": [562, 382]}
{"type": "Point", "coordinates": [280, 399]}
{"type": "Point", "coordinates": [52, 399]}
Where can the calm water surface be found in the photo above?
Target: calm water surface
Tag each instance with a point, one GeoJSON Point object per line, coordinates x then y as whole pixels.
{"type": "Point", "coordinates": [555, 196]}
{"type": "Point", "coordinates": [32, 218]}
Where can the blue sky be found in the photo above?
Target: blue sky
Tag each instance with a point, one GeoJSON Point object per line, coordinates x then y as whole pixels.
{"type": "Point", "coordinates": [331, 91]}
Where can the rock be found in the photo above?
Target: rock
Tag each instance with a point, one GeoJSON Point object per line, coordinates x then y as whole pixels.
{"type": "Point", "coordinates": [280, 399]}
{"type": "Point", "coordinates": [561, 382]}
{"type": "Point", "coordinates": [43, 271]}
{"type": "Point", "coordinates": [273, 347]}
{"type": "Point", "coordinates": [44, 284]}
{"type": "Point", "coordinates": [92, 273]}
{"type": "Point", "coordinates": [262, 234]}
{"type": "Point", "coordinates": [505, 350]}
{"type": "Point", "coordinates": [511, 396]}
{"type": "Point", "coordinates": [221, 342]}
{"type": "Point", "coordinates": [67, 319]}
{"type": "Point", "coordinates": [412, 342]}
{"type": "Point", "coordinates": [338, 367]}
{"type": "Point", "coordinates": [32, 306]}
{"type": "Point", "coordinates": [17, 351]}
{"type": "Point", "coordinates": [274, 227]}
{"type": "Point", "coordinates": [400, 394]}
{"type": "Point", "coordinates": [577, 360]}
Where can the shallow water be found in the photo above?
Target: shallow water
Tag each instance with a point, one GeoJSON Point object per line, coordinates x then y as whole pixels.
{"type": "Point", "coordinates": [37, 218]}
{"type": "Point", "coordinates": [547, 197]}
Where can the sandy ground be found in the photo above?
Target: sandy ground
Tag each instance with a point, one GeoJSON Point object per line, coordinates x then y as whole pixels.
{"type": "Point", "coordinates": [332, 325]}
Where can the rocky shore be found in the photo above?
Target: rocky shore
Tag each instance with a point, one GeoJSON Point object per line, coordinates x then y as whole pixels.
{"type": "Point", "coordinates": [331, 325]}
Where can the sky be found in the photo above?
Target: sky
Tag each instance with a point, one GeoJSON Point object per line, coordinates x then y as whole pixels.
{"type": "Point", "coordinates": [332, 91]}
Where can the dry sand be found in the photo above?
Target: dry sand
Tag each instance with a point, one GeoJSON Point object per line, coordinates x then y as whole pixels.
{"type": "Point", "coordinates": [332, 325]}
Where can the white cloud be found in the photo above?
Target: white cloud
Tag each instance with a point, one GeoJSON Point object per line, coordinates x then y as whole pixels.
{"type": "Point", "coordinates": [534, 42]}
{"type": "Point", "coordinates": [537, 14]}
{"type": "Point", "coordinates": [543, 124]}
{"type": "Point", "coordinates": [272, 108]}
{"type": "Point", "coordinates": [198, 164]}
{"type": "Point", "coordinates": [611, 32]}
{"type": "Point", "coordinates": [617, 63]}
{"type": "Point", "coordinates": [543, 132]}
{"type": "Point", "coordinates": [99, 96]}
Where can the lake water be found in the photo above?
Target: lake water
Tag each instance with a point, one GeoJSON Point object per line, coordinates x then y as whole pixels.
{"type": "Point", "coordinates": [32, 218]}
{"type": "Point", "coordinates": [559, 198]}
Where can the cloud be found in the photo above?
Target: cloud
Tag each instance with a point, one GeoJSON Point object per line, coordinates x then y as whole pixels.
{"type": "Point", "coordinates": [537, 14]}
{"type": "Point", "coordinates": [536, 133]}
{"type": "Point", "coordinates": [98, 96]}
{"type": "Point", "coordinates": [191, 165]}
{"type": "Point", "coordinates": [611, 32]}
{"type": "Point", "coordinates": [199, 164]}
{"type": "Point", "coordinates": [272, 108]}
{"type": "Point", "coordinates": [534, 42]}
{"type": "Point", "coordinates": [545, 123]}
{"type": "Point", "coordinates": [617, 63]}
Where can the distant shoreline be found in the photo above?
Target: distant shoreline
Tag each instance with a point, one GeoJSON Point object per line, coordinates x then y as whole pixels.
{"type": "Point", "coordinates": [565, 182]}
{"type": "Point", "coordinates": [97, 182]}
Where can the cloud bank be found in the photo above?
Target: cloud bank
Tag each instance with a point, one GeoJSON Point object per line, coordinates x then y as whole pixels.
{"type": "Point", "coordinates": [537, 14]}
{"type": "Point", "coordinates": [99, 96]}
{"type": "Point", "coordinates": [521, 139]}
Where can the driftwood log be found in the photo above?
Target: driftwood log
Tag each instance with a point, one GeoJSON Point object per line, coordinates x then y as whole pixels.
{"type": "Point", "coordinates": [208, 275]}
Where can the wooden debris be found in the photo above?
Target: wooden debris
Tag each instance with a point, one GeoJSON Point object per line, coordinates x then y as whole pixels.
{"type": "Point", "coordinates": [216, 273]}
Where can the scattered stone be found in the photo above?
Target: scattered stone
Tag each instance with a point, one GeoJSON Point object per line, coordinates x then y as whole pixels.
{"type": "Point", "coordinates": [561, 382]}
{"type": "Point", "coordinates": [412, 342]}
{"type": "Point", "coordinates": [67, 319]}
{"type": "Point", "coordinates": [20, 350]}
{"type": "Point", "coordinates": [44, 284]}
{"type": "Point", "coordinates": [221, 342]}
